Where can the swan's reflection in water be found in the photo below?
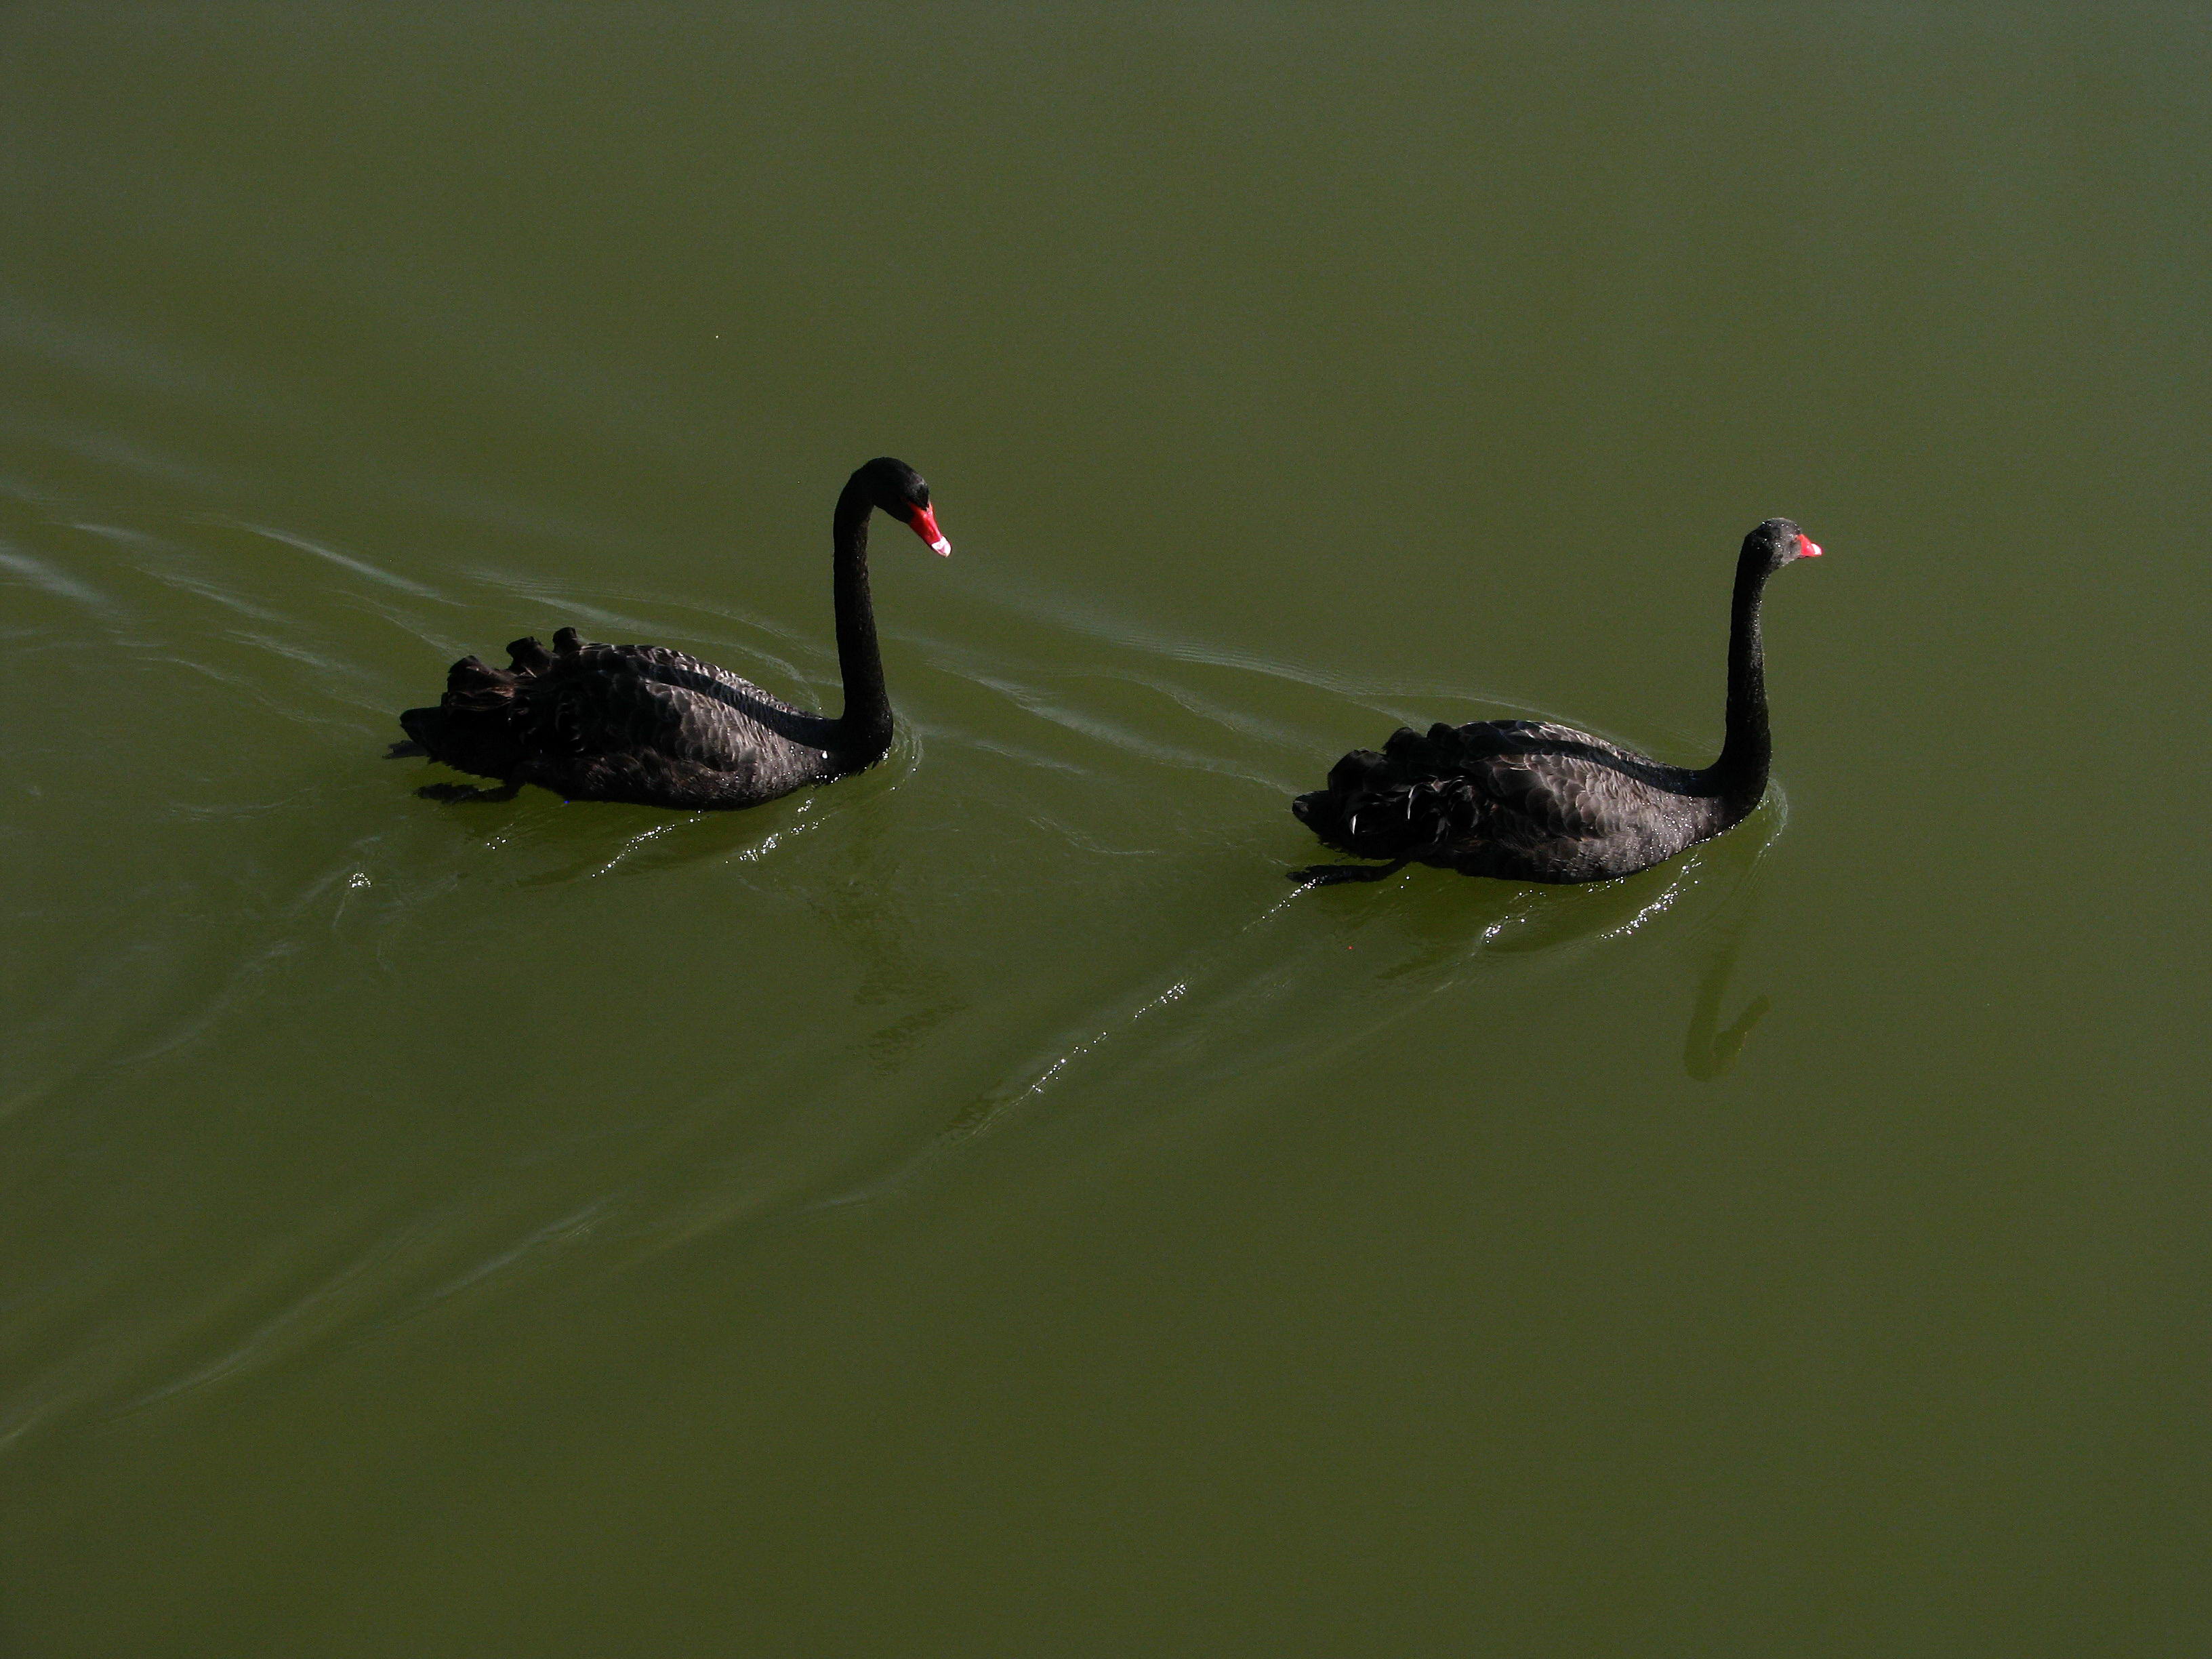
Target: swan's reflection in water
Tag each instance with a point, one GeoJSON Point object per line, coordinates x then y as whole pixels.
{"type": "Point", "coordinates": [858, 899]}
{"type": "Point", "coordinates": [1710, 1050]}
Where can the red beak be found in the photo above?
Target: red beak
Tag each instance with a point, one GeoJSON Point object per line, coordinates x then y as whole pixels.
{"type": "Point", "coordinates": [923, 524]}
{"type": "Point", "coordinates": [1806, 547]}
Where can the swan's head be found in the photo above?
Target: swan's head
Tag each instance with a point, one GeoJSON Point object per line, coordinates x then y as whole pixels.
{"type": "Point", "coordinates": [898, 490]}
{"type": "Point", "coordinates": [1780, 542]}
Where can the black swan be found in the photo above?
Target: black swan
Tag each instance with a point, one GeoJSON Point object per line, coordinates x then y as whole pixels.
{"type": "Point", "coordinates": [1527, 800]}
{"type": "Point", "coordinates": [644, 724]}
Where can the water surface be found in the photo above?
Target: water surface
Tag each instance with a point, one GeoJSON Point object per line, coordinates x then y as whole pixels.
{"type": "Point", "coordinates": [983, 1207]}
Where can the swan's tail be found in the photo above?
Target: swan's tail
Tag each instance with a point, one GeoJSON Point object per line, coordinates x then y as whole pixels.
{"type": "Point", "coordinates": [477, 726]}
{"type": "Point", "coordinates": [1407, 802]}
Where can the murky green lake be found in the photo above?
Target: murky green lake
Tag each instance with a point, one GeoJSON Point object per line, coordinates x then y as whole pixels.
{"type": "Point", "coordinates": [981, 1207]}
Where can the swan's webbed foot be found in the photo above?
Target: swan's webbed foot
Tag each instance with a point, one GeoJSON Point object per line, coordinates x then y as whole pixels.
{"type": "Point", "coordinates": [1328, 875]}
{"type": "Point", "coordinates": [405, 749]}
{"type": "Point", "coordinates": [453, 792]}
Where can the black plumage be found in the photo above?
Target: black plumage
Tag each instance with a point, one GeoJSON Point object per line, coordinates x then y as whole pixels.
{"type": "Point", "coordinates": [645, 724]}
{"type": "Point", "coordinates": [1528, 801]}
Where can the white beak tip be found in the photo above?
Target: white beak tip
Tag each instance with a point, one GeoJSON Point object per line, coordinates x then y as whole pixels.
{"type": "Point", "coordinates": [942, 548]}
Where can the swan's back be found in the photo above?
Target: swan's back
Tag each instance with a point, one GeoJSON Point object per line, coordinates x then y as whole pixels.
{"type": "Point", "coordinates": [637, 723]}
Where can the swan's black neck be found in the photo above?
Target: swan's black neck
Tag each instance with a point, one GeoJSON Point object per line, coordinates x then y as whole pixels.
{"type": "Point", "coordinates": [1739, 776]}
{"type": "Point", "coordinates": [864, 731]}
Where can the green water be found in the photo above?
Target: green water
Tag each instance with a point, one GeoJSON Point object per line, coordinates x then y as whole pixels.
{"type": "Point", "coordinates": [982, 1209]}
